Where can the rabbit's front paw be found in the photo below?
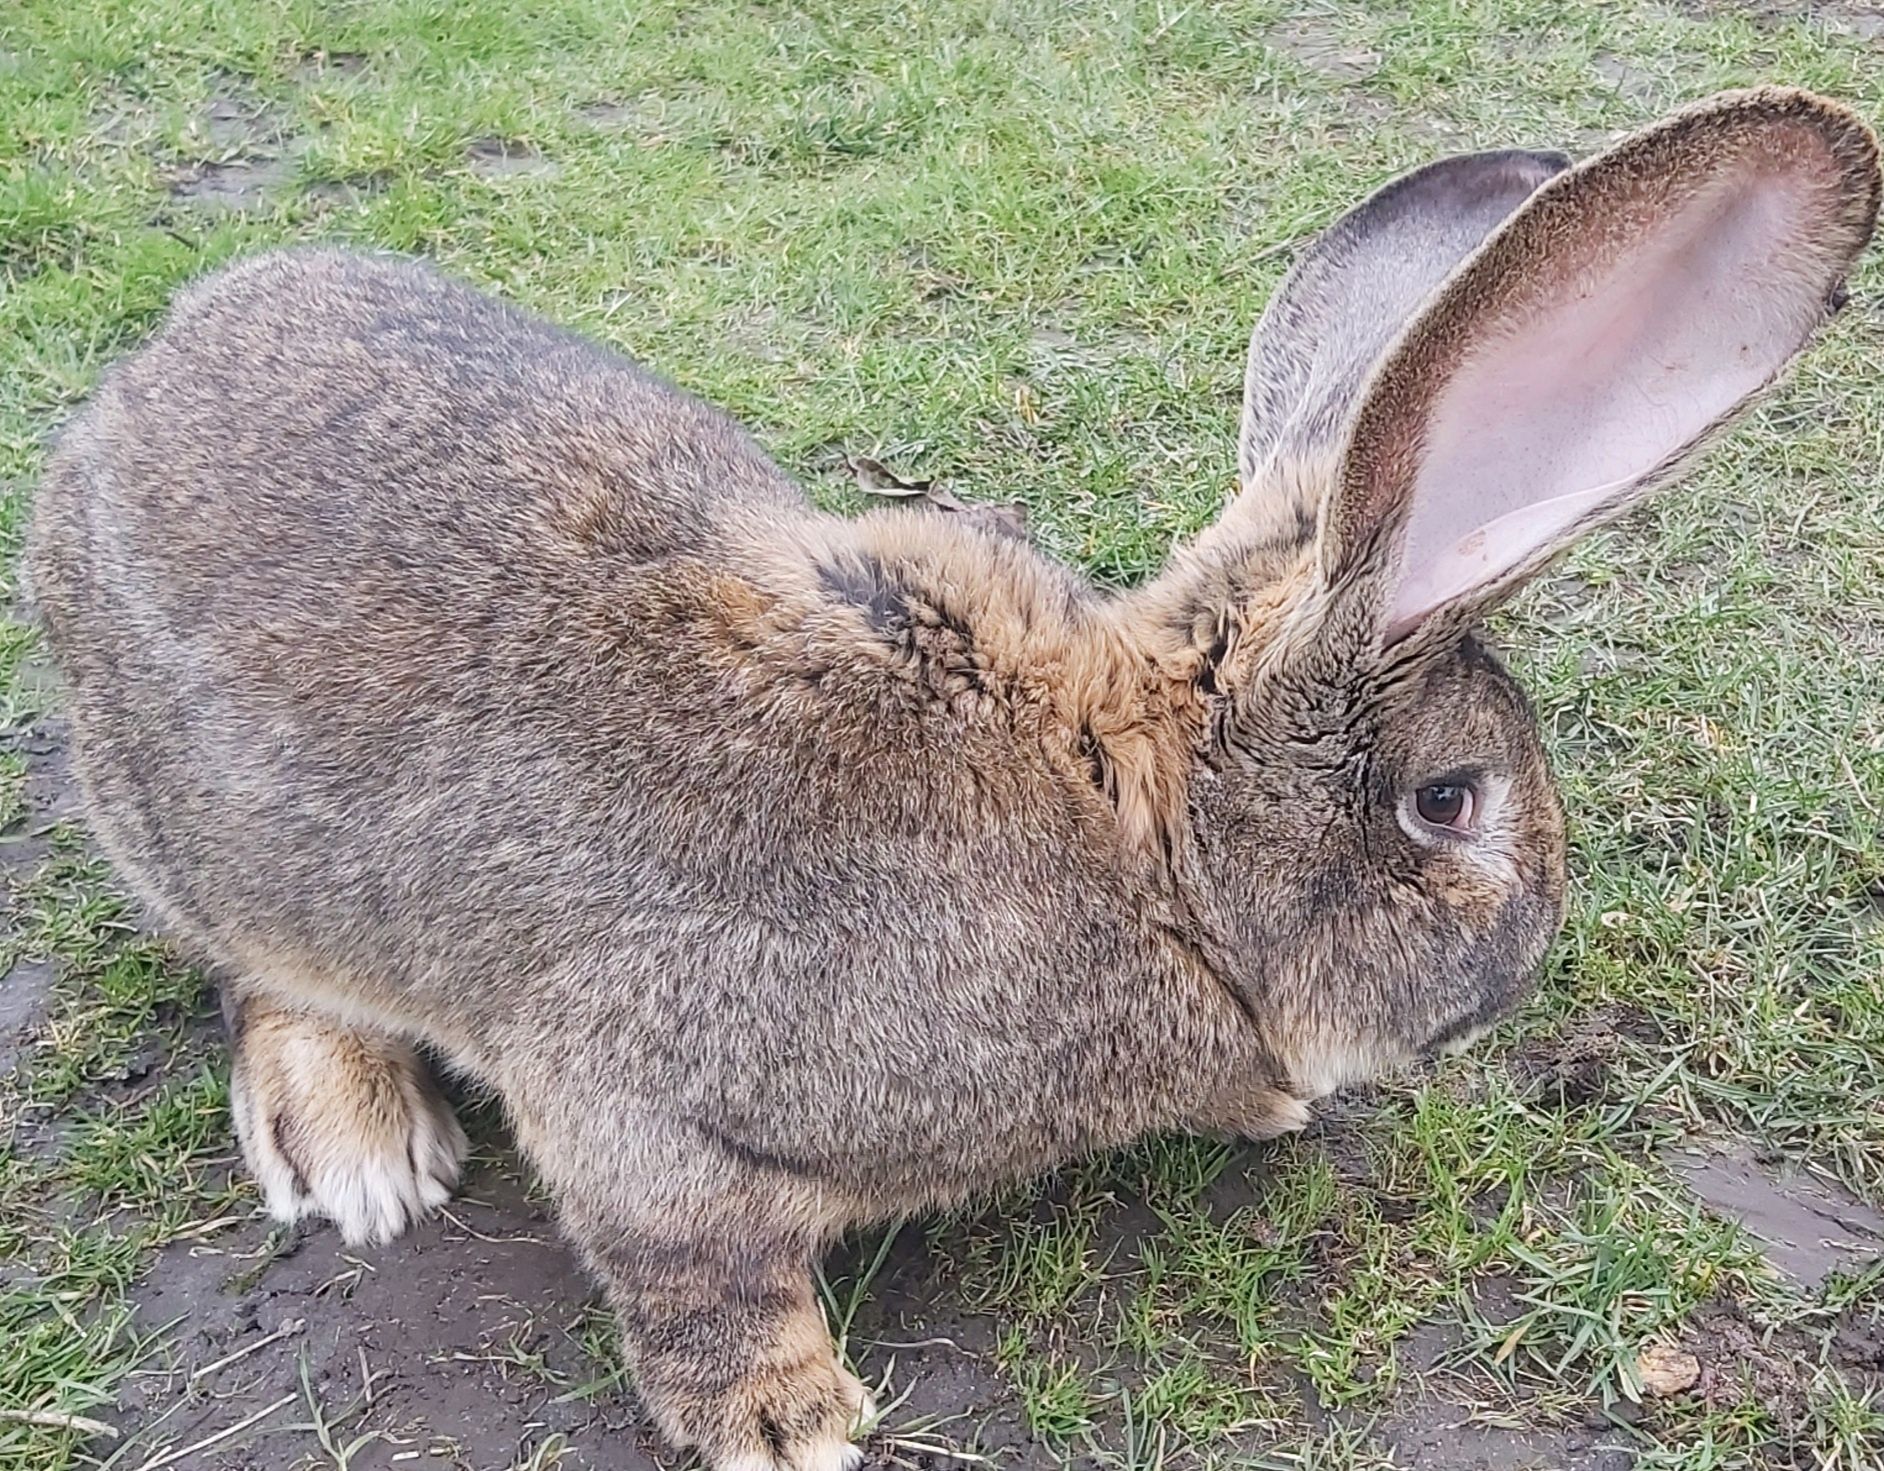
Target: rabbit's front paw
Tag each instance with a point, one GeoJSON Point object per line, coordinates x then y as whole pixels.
{"type": "Point", "coordinates": [800, 1419]}
{"type": "Point", "coordinates": [338, 1123]}
{"type": "Point", "coordinates": [731, 1354]}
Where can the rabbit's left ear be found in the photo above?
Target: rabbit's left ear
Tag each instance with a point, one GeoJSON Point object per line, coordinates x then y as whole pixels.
{"type": "Point", "coordinates": [1632, 306]}
{"type": "Point", "coordinates": [1349, 294]}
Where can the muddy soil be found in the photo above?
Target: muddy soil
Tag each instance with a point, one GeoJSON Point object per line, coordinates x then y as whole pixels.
{"type": "Point", "coordinates": [471, 1344]}
{"type": "Point", "coordinates": [467, 1345]}
{"type": "Point", "coordinates": [27, 986]}
{"type": "Point", "coordinates": [1808, 1227]}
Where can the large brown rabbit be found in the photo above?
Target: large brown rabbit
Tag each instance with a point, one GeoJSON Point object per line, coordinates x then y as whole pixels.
{"type": "Point", "coordinates": [442, 678]}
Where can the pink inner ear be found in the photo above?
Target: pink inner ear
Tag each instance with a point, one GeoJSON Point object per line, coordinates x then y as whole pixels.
{"type": "Point", "coordinates": [1610, 371]}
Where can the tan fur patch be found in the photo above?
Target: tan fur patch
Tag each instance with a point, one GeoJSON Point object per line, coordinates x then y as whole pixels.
{"type": "Point", "coordinates": [342, 1124]}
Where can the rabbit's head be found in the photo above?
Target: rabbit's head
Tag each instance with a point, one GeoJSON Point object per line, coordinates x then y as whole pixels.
{"type": "Point", "coordinates": [1483, 362]}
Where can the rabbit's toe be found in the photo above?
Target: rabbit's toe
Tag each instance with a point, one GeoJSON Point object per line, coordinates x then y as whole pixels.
{"type": "Point", "coordinates": [341, 1124]}
{"type": "Point", "coordinates": [802, 1421]}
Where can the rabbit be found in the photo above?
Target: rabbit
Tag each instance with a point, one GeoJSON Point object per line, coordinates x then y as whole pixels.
{"type": "Point", "coordinates": [443, 680]}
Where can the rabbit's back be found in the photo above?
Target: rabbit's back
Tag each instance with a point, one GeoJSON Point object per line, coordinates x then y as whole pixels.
{"type": "Point", "coordinates": [332, 401]}
{"type": "Point", "coordinates": [317, 440]}
{"type": "Point", "coordinates": [371, 590]}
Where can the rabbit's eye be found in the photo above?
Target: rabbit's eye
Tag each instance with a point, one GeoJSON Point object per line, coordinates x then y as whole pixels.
{"type": "Point", "coordinates": [1445, 804]}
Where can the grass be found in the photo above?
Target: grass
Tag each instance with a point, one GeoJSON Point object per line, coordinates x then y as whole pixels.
{"type": "Point", "coordinates": [1016, 245]}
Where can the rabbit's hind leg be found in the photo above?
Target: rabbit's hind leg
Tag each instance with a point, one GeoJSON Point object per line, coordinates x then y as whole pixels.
{"type": "Point", "coordinates": [337, 1121]}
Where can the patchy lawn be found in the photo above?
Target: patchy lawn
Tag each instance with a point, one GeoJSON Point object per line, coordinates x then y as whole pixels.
{"type": "Point", "coordinates": [1015, 245]}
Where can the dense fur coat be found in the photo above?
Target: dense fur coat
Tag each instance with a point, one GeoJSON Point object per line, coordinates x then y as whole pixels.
{"type": "Point", "coordinates": [439, 677]}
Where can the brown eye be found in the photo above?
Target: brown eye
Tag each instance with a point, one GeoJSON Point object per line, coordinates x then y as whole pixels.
{"type": "Point", "coordinates": [1444, 804]}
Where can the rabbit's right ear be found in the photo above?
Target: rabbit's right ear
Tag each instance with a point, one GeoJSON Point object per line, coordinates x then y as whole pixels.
{"type": "Point", "coordinates": [1633, 306]}
{"type": "Point", "coordinates": [1347, 297]}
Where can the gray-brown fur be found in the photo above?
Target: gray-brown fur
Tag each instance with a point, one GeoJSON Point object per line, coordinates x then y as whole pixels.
{"type": "Point", "coordinates": [440, 677]}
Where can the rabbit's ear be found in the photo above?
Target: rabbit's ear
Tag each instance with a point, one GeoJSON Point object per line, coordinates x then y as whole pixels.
{"type": "Point", "coordinates": [1634, 304]}
{"type": "Point", "coordinates": [1352, 290]}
